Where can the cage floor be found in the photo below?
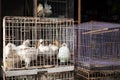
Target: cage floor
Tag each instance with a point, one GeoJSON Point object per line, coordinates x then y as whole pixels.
{"type": "Point", "coordinates": [99, 64]}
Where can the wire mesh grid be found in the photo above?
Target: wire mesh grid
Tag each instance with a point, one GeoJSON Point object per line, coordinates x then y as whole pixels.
{"type": "Point", "coordinates": [28, 77]}
{"type": "Point", "coordinates": [44, 76]}
{"type": "Point", "coordinates": [57, 76]}
{"type": "Point", "coordinates": [84, 74]}
{"type": "Point", "coordinates": [99, 46]}
{"type": "Point", "coordinates": [36, 42]}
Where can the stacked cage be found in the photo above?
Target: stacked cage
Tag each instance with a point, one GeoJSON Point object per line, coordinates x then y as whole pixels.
{"type": "Point", "coordinates": [37, 44]}
{"type": "Point", "coordinates": [57, 76]}
{"type": "Point", "coordinates": [42, 76]}
{"type": "Point", "coordinates": [98, 50]}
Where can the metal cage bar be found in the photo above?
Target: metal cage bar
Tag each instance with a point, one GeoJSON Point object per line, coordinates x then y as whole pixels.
{"type": "Point", "coordinates": [99, 51]}
{"type": "Point", "coordinates": [99, 46]}
{"type": "Point", "coordinates": [44, 76]}
{"type": "Point", "coordinates": [52, 31]}
{"type": "Point", "coordinates": [97, 74]}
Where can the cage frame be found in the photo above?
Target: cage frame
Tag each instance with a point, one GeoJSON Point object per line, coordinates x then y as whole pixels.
{"type": "Point", "coordinates": [97, 74]}
{"type": "Point", "coordinates": [67, 68]}
{"type": "Point", "coordinates": [55, 75]}
{"type": "Point", "coordinates": [88, 70]}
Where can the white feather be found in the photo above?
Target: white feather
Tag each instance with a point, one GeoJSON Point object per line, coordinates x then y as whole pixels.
{"type": "Point", "coordinates": [10, 56]}
{"type": "Point", "coordinates": [40, 10]}
{"type": "Point", "coordinates": [44, 11]}
{"type": "Point", "coordinates": [41, 47]}
{"type": "Point", "coordinates": [54, 49]}
{"type": "Point", "coordinates": [10, 50]}
{"type": "Point", "coordinates": [25, 44]}
{"type": "Point", "coordinates": [20, 48]}
{"type": "Point", "coordinates": [45, 50]}
{"type": "Point", "coordinates": [26, 53]}
{"type": "Point", "coordinates": [64, 53]}
{"type": "Point", "coordinates": [47, 9]}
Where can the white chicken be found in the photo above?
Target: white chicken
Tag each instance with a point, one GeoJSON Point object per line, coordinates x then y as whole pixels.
{"type": "Point", "coordinates": [43, 49]}
{"type": "Point", "coordinates": [27, 53]}
{"type": "Point", "coordinates": [10, 56]}
{"type": "Point", "coordinates": [50, 49]}
{"type": "Point", "coordinates": [20, 48]}
{"type": "Point", "coordinates": [54, 49]}
{"type": "Point", "coordinates": [10, 50]}
{"type": "Point", "coordinates": [47, 9]}
{"type": "Point", "coordinates": [47, 50]}
{"type": "Point", "coordinates": [26, 43]}
{"type": "Point", "coordinates": [44, 11]}
{"type": "Point", "coordinates": [57, 43]}
{"type": "Point", "coordinates": [40, 10]}
{"type": "Point", "coordinates": [64, 53]}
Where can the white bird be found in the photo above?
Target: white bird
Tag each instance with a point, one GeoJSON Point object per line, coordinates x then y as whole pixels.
{"type": "Point", "coordinates": [43, 49]}
{"type": "Point", "coordinates": [26, 43]}
{"type": "Point", "coordinates": [64, 53]}
{"type": "Point", "coordinates": [40, 10]}
{"type": "Point", "coordinates": [44, 11]}
{"type": "Point", "coordinates": [54, 49]}
{"type": "Point", "coordinates": [10, 50]}
{"type": "Point", "coordinates": [47, 50]}
{"type": "Point", "coordinates": [10, 56]}
{"type": "Point", "coordinates": [20, 48]}
{"type": "Point", "coordinates": [47, 9]}
{"type": "Point", "coordinates": [41, 46]}
{"type": "Point", "coordinates": [57, 43]}
{"type": "Point", "coordinates": [27, 53]}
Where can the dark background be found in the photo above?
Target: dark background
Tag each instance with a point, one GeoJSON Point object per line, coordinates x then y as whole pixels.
{"type": "Point", "coordinates": [101, 10]}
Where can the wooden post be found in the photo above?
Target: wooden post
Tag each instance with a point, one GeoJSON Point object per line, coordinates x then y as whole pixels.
{"type": "Point", "coordinates": [79, 21]}
{"type": "Point", "coordinates": [35, 15]}
{"type": "Point", "coordinates": [79, 12]}
{"type": "Point", "coordinates": [1, 28]}
{"type": "Point", "coordinates": [35, 8]}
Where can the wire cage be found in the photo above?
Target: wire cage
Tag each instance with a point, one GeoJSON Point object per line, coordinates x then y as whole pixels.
{"type": "Point", "coordinates": [28, 77]}
{"type": "Point", "coordinates": [36, 42]}
{"type": "Point", "coordinates": [69, 75]}
{"type": "Point", "coordinates": [99, 46]}
{"type": "Point", "coordinates": [97, 74]}
{"type": "Point", "coordinates": [97, 56]}
{"type": "Point", "coordinates": [59, 8]}
{"type": "Point", "coordinates": [44, 76]}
